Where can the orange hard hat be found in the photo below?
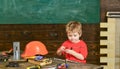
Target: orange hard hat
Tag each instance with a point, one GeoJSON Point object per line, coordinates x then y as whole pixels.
{"type": "Point", "coordinates": [34, 48]}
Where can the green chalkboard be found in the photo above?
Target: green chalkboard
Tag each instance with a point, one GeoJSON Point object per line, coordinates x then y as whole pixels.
{"type": "Point", "coordinates": [49, 11]}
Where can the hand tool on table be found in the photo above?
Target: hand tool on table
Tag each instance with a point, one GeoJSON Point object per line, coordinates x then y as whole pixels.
{"type": "Point", "coordinates": [34, 67]}
{"type": "Point", "coordinates": [43, 62]}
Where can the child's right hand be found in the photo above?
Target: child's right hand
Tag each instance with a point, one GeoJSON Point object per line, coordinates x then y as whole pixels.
{"type": "Point", "coordinates": [62, 48]}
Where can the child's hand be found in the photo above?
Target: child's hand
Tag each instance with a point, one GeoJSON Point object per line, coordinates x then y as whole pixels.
{"type": "Point", "coordinates": [62, 48]}
{"type": "Point", "coordinates": [69, 51]}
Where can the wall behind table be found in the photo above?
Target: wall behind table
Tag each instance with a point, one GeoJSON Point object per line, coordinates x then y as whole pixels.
{"type": "Point", "coordinates": [52, 35]}
{"type": "Point", "coordinates": [49, 11]}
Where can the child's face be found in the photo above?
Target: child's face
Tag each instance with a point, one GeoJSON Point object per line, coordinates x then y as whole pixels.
{"type": "Point", "coordinates": [73, 36]}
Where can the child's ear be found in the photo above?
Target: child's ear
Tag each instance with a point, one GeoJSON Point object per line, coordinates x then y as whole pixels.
{"type": "Point", "coordinates": [80, 34]}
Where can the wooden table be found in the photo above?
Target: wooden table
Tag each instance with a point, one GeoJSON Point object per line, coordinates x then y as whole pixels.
{"type": "Point", "coordinates": [71, 65]}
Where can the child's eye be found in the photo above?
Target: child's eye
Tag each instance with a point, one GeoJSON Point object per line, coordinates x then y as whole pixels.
{"type": "Point", "coordinates": [75, 35]}
{"type": "Point", "coordinates": [69, 35]}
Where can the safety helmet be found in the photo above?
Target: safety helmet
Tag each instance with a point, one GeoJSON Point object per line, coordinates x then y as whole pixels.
{"type": "Point", "coordinates": [34, 48]}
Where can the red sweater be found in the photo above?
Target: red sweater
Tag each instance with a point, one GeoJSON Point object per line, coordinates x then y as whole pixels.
{"type": "Point", "coordinates": [79, 47]}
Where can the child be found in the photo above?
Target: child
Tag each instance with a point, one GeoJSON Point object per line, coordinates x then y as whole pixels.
{"type": "Point", "coordinates": [74, 49]}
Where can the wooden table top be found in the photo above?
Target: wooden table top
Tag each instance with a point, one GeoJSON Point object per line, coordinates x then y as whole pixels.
{"type": "Point", "coordinates": [71, 65]}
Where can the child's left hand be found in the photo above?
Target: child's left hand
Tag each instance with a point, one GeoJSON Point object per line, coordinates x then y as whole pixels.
{"type": "Point", "coordinates": [69, 51]}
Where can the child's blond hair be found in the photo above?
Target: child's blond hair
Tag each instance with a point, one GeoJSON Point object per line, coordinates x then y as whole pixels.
{"type": "Point", "coordinates": [74, 26]}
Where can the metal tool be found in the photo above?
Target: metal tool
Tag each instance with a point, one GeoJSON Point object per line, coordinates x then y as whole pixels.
{"type": "Point", "coordinates": [34, 67]}
{"type": "Point", "coordinates": [16, 50]}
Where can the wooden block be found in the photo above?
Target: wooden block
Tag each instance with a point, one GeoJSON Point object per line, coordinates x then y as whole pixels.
{"type": "Point", "coordinates": [103, 33]}
{"type": "Point", "coordinates": [103, 25]}
{"type": "Point", "coordinates": [103, 59]}
{"type": "Point", "coordinates": [103, 51]}
{"type": "Point", "coordinates": [103, 42]}
{"type": "Point", "coordinates": [105, 67]}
